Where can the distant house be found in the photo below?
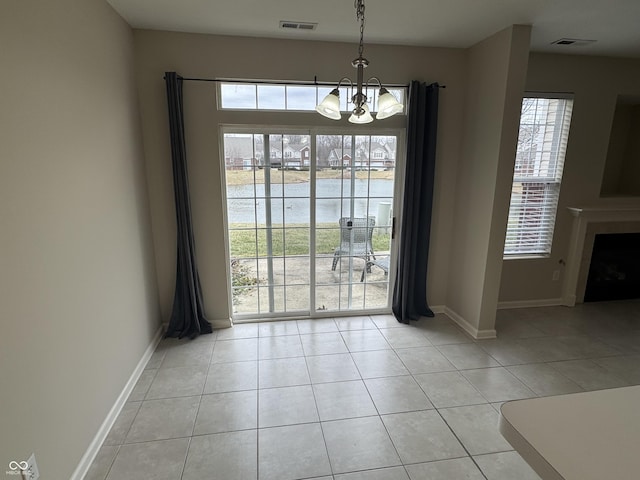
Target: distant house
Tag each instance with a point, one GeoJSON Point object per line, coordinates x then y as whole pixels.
{"type": "Point", "coordinates": [338, 159]}
{"type": "Point", "coordinates": [240, 153]}
{"type": "Point", "coordinates": [377, 156]}
{"type": "Point", "coordinates": [294, 156]}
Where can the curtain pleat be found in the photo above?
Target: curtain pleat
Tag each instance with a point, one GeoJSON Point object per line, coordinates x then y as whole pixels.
{"type": "Point", "coordinates": [187, 317]}
{"type": "Point", "coordinates": [410, 292]}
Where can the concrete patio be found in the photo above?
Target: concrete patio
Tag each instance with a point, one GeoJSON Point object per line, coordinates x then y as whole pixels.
{"type": "Point", "coordinates": [291, 285]}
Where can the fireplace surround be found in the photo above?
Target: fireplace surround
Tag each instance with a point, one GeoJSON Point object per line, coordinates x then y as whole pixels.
{"type": "Point", "coordinates": [587, 223]}
{"type": "Point", "coordinates": [614, 273]}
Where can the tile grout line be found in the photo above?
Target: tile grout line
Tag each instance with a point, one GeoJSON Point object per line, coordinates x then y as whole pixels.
{"type": "Point", "coordinates": [186, 456]}
{"type": "Point", "coordinates": [112, 461]}
{"type": "Point", "coordinates": [438, 410]}
{"type": "Point", "coordinates": [258, 408]}
{"type": "Point", "coordinates": [195, 420]}
{"type": "Point", "coordinates": [464, 447]}
{"type": "Point", "coordinates": [315, 401]}
{"type": "Point", "coordinates": [384, 425]}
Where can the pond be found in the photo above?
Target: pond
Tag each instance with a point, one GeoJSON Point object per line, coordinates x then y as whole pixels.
{"type": "Point", "coordinates": [290, 202]}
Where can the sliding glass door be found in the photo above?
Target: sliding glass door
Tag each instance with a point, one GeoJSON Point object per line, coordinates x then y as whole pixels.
{"type": "Point", "coordinates": [353, 213]}
{"type": "Point", "coordinates": [309, 221]}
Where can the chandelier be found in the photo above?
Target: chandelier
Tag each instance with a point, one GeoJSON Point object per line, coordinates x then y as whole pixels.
{"type": "Point", "coordinates": [387, 103]}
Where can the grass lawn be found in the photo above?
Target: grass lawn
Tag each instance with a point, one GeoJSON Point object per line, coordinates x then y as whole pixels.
{"type": "Point", "coordinates": [293, 240]}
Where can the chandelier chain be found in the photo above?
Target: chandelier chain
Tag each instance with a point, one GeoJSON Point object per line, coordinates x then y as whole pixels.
{"type": "Point", "coordinates": [359, 6]}
{"type": "Point", "coordinates": [387, 104]}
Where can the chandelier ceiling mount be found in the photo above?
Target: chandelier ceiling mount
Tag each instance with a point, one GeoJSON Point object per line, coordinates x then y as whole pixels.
{"type": "Point", "coordinates": [387, 103]}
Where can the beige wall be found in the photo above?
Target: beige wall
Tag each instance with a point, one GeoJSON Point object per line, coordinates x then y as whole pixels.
{"type": "Point", "coordinates": [630, 171]}
{"type": "Point", "coordinates": [596, 83]}
{"type": "Point", "coordinates": [208, 56]}
{"type": "Point", "coordinates": [496, 72]}
{"type": "Point", "coordinates": [619, 143]}
{"type": "Point", "coordinates": [78, 295]}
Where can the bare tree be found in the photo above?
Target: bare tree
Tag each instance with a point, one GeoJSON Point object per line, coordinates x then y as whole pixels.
{"type": "Point", "coordinates": [527, 139]}
{"type": "Point", "coordinates": [326, 143]}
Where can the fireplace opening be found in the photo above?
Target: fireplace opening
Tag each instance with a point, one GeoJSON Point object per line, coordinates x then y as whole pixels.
{"type": "Point", "coordinates": [614, 273]}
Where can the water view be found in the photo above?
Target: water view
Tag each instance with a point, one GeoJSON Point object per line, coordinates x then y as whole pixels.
{"type": "Point", "coordinates": [247, 203]}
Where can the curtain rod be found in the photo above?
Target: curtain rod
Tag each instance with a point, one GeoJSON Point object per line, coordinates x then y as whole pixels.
{"type": "Point", "coordinates": [284, 82]}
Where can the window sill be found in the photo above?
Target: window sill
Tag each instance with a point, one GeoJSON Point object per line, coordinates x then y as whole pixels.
{"type": "Point", "coordinates": [533, 256]}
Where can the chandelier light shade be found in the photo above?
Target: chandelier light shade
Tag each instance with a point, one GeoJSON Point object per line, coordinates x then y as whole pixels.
{"type": "Point", "coordinates": [330, 106]}
{"type": "Point", "coordinates": [387, 103]}
{"type": "Point", "coordinates": [364, 117]}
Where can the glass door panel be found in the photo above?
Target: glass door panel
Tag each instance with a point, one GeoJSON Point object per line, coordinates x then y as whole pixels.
{"type": "Point", "coordinates": [309, 222]}
{"type": "Point", "coordinates": [267, 187]}
{"type": "Point", "coordinates": [354, 205]}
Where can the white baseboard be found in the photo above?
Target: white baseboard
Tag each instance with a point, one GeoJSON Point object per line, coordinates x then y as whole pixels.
{"type": "Point", "coordinates": [94, 447]}
{"type": "Point", "coordinates": [467, 327]}
{"type": "Point", "coordinates": [545, 302]}
{"type": "Point", "coordinates": [437, 308]}
{"type": "Point", "coordinates": [222, 323]}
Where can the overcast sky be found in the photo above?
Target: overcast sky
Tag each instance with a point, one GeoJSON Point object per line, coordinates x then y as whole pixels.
{"type": "Point", "coordinates": [284, 97]}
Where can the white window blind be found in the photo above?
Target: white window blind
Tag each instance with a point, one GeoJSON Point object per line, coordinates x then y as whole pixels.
{"type": "Point", "coordinates": [542, 142]}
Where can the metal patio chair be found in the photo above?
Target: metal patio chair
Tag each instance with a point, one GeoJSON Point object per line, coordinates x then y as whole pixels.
{"type": "Point", "coordinates": [355, 239]}
{"type": "Point", "coordinates": [382, 263]}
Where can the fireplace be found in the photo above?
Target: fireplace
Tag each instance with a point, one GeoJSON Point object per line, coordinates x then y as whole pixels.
{"type": "Point", "coordinates": [589, 223]}
{"type": "Point", "coordinates": [614, 272]}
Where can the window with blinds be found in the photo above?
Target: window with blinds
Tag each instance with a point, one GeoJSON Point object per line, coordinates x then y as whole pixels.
{"type": "Point", "coordinates": [542, 142]}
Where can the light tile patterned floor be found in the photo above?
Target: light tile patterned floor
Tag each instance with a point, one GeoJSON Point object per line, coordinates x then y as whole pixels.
{"type": "Point", "coordinates": [361, 398]}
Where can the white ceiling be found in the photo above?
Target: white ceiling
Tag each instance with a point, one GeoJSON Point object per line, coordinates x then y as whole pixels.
{"type": "Point", "coordinates": [615, 24]}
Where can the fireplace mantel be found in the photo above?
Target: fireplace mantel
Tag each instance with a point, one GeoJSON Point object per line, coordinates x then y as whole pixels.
{"type": "Point", "coordinates": [587, 222]}
{"type": "Point", "coordinates": [606, 214]}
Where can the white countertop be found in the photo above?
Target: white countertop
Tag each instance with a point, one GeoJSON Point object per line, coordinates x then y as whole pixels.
{"type": "Point", "coordinates": [581, 436]}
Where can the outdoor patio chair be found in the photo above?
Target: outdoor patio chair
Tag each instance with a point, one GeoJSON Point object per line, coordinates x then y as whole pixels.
{"type": "Point", "coordinates": [355, 239]}
{"type": "Point", "coordinates": [383, 263]}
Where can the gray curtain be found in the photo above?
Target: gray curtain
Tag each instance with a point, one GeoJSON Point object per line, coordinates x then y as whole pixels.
{"type": "Point", "coordinates": [410, 292]}
{"type": "Point", "coordinates": [187, 317]}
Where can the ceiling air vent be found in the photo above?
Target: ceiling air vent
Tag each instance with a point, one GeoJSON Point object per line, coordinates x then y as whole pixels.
{"type": "Point", "coordinates": [298, 25]}
{"type": "Point", "coordinates": [574, 42]}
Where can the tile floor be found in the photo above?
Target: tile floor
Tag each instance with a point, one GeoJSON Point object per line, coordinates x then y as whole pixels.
{"type": "Point", "coordinates": [360, 398]}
